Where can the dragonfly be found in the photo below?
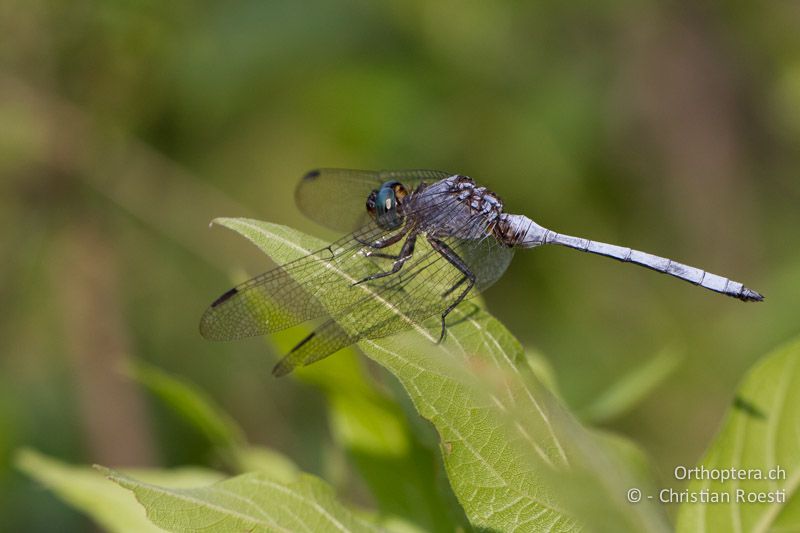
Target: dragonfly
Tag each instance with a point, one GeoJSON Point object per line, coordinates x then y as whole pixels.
{"type": "Point", "coordinates": [417, 243]}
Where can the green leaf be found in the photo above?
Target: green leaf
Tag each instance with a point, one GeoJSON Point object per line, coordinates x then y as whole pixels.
{"type": "Point", "coordinates": [629, 455]}
{"type": "Point", "coordinates": [543, 371]}
{"type": "Point", "coordinates": [258, 459]}
{"type": "Point", "coordinates": [191, 403]}
{"type": "Point", "coordinates": [401, 472]}
{"type": "Point", "coordinates": [251, 502]}
{"type": "Point", "coordinates": [509, 447]}
{"type": "Point", "coordinates": [632, 388]}
{"type": "Point", "coordinates": [87, 490]}
{"type": "Point", "coordinates": [761, 432]}
{"type": "Point", "coordinates": [198, 409]}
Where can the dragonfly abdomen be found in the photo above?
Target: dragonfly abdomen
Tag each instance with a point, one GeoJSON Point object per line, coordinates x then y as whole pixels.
{"type": "Point", "coordinates": [521, 231]}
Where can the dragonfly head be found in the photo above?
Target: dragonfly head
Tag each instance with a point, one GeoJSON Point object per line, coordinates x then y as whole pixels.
{"type": "Point", "coordinates": [383, 204]}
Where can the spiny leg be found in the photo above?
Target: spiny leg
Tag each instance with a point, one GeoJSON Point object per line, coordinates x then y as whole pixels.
{"type": "Point", "coordinates": [457, 262]}
{"type": "Point", "coordinates": [454, 287]}
{"type": "Point", "coordinates": [405, 254]}
{"type": "Point", "coordinates": [382, 256]}
{"type": "Point", "coordinates": [383, 243]}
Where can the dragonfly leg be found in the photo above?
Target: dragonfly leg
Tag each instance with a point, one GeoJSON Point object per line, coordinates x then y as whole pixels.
{"type": "Point", "coordinates": [382, 256]}
{"type": "Point", "coordinates": [457, 262]}
{"type": "Point", "coordinates": [405, 254]}
{"type": "Point", "coordinates": [383, 243]}
{"type": "Point", "coordinates": [454, 287]}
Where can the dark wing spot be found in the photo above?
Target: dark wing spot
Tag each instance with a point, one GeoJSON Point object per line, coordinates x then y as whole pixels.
{"type": "Point", "coordinates": [748, 408]}
{"type": "Point", "coordinates": [285, 366]}
{"type": "Point", "coordinates": [311, 175]}
{"type": "Point", "coordinates": [224, 297]}
{"type": "Point", "coordinates": [302, 342]}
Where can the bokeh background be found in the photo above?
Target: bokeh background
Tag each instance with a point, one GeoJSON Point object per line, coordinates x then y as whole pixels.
{"type": "Point", "coordinates": [125, 127]}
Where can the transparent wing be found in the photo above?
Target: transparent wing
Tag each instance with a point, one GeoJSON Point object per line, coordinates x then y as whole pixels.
{"type": "Point", "coordinates": [316, 285]}
{"type": "Point", "coordinates": [307, 288]}
{"type": "Point", "coordinates": [337, 197]}
{"type": "Point", "coordinates": [426, 286]}
{"type": "Point", "coordinates": [322, 284]}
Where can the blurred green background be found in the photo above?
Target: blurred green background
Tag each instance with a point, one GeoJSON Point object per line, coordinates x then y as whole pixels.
{"type": "Point", "coordinates": [125, 127]}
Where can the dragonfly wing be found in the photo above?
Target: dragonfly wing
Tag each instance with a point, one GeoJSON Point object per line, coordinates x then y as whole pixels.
{"type": "Point", "coordinates": [375, 315]}
{"type": "Point", "coordinates": [411, 178]}
{"type": "Point", "coordinates": [327, 339]}
{"type": "Point", "coordinates": [321, 283]}
{"type": "Point", "coordinates": [316, 285]}
{"type": "Point", "coordinates": [325, 284]}
{"type": "Point", "coordinates": [487, 258]}
{"type": "Point", "coordinates": [337, 197]}
{"type": "Point", "coordinates": [422, 289]}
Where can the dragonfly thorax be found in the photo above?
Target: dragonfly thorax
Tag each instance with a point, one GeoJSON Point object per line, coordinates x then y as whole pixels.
{"type": "Point", "coordinates": [455, 207]}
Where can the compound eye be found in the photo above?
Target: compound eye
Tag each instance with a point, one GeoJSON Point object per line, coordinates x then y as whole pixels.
{"type": "Point", "coordinates": [385, 202]}
{"type": "Point", "coordinates": [386, 214]}
{"type": "Point", "coordinates": [371, 208]}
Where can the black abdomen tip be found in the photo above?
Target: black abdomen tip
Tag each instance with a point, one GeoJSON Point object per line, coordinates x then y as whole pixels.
{"type": "Point", "coordinates": [749, 295]}
{"type": "Point", "coordinates": [313, 174]}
